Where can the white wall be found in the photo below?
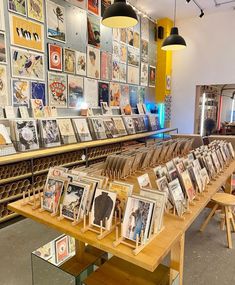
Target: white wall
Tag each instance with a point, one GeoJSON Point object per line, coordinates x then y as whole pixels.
{"type": "Point", "coordinates": [208, 59]}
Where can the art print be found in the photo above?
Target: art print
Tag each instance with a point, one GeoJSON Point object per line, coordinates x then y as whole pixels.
{"type": "Point", "coordinates": [136, 40]}
{"type": "Point", "coordinates": [93, 6]}
{"type": "Point", "coordinates": [80, 63]}
{"type": "Point", "coordinates": [26, 135]}
{"type": "Point", "coordinates": [26, 33]}
{"type": "Point", "coordinates": [104, 5]}
{"type": "Point", "coordinates": [93, 62]}
{"type": "Point", "coordinates": [115, 70]}
{"type": "Point", "coordinates": [66, 131]}
{"type": "Point", "coordinates": [133, 56]}
{"type": "Point", "coordinates": [133, 93]}
{"type": "Point", "coordinates": [50, 133]}
{"type": "Point", "coordinates": [114, 94]}
{"type": "Point", "coordinates": [144, 181]}
{"type": "Point", "coordinates": [91, 92]}
{"type": "Point", "coordinates": [16, 6]}
{"type": "Point", "coordinates": [75, 91]}
{"type": "Point", "coordinates": [106, 64]}
{"type": "Point", "coordinates": [27, 64]}
{"type": "Point", "coordinates": [78, 3]}
{"type": "Point", "coordinates": [124, 95]}
{"type": "Point", "coordinates": [82, 130]}
{"type": "Point", "coordinates": [130, 36]}
{"type": "Point", "coordinates": [3, 51]}
{"type": "Point", "coordinates": [123, 53]}
{"type": "Point", "coordinates": [57, 90]}
{"type": "Point", "coordinates": [3, 86]}
{"type": "Point", "coordinates": [55, 57]}
{"type": "Point", "coordinates": [37, 108]}
{"type": "Point", "coordinates": [103, 95]}
{"type": "Point", "coordinates": [56, 22]}
{"type": "Point", "coordinates": [69, 60]}
{"type": "Point", "coordinates": [122, 72]}
{"type": "Point", "coordinates": [2, 18]}
{"type": "Point", "coordinates": [123, 35]}
{"type": "Point", "coordinates": [116, 34]}
{"type": "Point", "coordinates": [93, 30]}
{"type": "Point", "coordinates": [145, 28]}
{"type": "Point", "coordinates": [103, 208]}
{"type": "Point", "coordinates": [20, 92]}
{"type": "Point", "coordinates": [99, 128]}
{"type": "Point", "coordinates": [141, 95]}
{"type": "Point", "coordinates": [144, 51]}
{"type": "Point", "coordinates": [144, 74]}
{"type": "Point", "coordinates": [38, 91]}
{"type": "Point", "coordinates": [116, 50]}
{"type": "Point", "coordinates": [152, 76]}
{"type": "Point", "coordinates": [61, 249]}
{"type": "Point", "coordinates": [133, 75]}
{"type": "Point", "coordinates": [36, 10]}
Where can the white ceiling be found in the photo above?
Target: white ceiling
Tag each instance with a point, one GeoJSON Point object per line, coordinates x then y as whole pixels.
{"type": "Point", "coordinates": [165, 8]}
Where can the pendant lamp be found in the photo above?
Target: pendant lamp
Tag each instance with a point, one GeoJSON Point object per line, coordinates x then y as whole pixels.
{"type": "Point", "coordinates": [174, 41]}
{"type": "Point", "coordinates": [119, 15]}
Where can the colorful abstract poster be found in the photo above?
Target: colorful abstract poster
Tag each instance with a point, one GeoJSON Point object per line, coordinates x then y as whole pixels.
{"type": "Point", "coordinates": [144, 74]}
{"type": "Point", "coordinates": [125, 100]}
{"type": "Point", "coordinates": [133, 75]}
{"type": "Point", "coordinates": [106, 63]}
{"type": "Point", "coordinates": [93, 30]}
{"type": "Point", "coordinates": [145, 29]}
{"type": "Point", "coordinates": [103, 95]}
{"type": "Point", "coordinates": [16, 6]}
{"type": "Point", "coordinates": [20, 92]}
{"type": "Point", "coordinates": [78, 3]}
{"type": "Point", "coordinates": [144, 51]}
{"type": "Point", "coordinates": [3, 86]}
{"type": "Point", "coordinates": [80, 63]}
{"type": "Point", "coordinates": [3, 50]}
{"type": "Point", "coordinates": [104, 5]}
{"type": "Point", "coordinates": [93, 62]}
{"type": "Point", "coordinates": [26, 33]}
{"type": "Point", "coordinates": [36, 10]}
{"type": "Point", "coordinates": [57, 89]}
{"type": "Point", "coordinates": [69, 60]}
{"type": "Point", "coordinates": [75, 91]}
{"type": "Point", "coordinates": [27, 64]}
{"type": "Point", "coordinates": [133, 94]}
{"type": "Point", "coordinates": [93, 6]}
{"type": "Point", "coordinates": [114, 94]}
{"type": "Point", "coordinates": [2, 18]}
{"type": "Point", "coordinates": [38, 91]}
{"type": "Point", "coordinates": [56, 23]}
{"type": "Point", "coordinates": [115, 70]}
{"type": "Point", "coordinates": [91, 92]}
{"type": "Point", "coordinates": [55, 57]}
{"type": "Point", "coordinates": [152, 76]}
{"type": "Point", "coordinates": [122, 72]}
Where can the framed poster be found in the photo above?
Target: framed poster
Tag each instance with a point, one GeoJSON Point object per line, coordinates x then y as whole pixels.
{"type": "Point", "coordinates": [16, 6]}
{"type": "Point", "coordinates": [136, 40]}
{"type": "Point", "coordinates": [26, 33]}
{"type": "Point", "coordinates": [124, 95]}
{"type": "Point", "coordinates": [123, 35]}
{"type": "Point", "coordinates": [115, 70]}
{"type": "Point", "coordinates": [103, 95]}
{"type": "Point", "coordinates": [75, 91]}
{"type": "Point", "coordinates": [106, 63]}
{"type": "Point", "coordinates": [144, 51]}
{"type": "Point", "coordinates": [114, 94]}
{"type": "Point", "coordinates": [152, 76]}
{"type": "Point", "coordinates": [133, 56]}
{"type": "Point", "coordinates": [145, 29]}
{"type": "Point", "coordinates": [80, 63]}
{"type": "Point", "coordinates": [78, 3]}
{"type": "Point", "coordinates": [56, 22]}
{"type": "Point", "coordinates": [104, 5]}
{"type": "Point", "coordinates": [3, 50]}
{"type": "Point", "coordinates": [122, 72]}
{"type": "Point", "coordinates": [133, 95]}
{"type": "Point", "coordinates": [36, 10]}
{"type": "Point", "coordinates": [133, 75]}
{"type": "Point", "coordinates": [123, 53]}
{"type": "Point", "coordinates": [93, 62]}
{"type": "Point", "coordinates": [20, 92]}
{"type": "Point", "coordinates": [57, 89]}
{"type": "Point", "coordinates": [27, 64]}
{"type": "Point", "coordinates": [3, 86]}
{"type": "Point", "coordinates": [55, 57]}
{"type": "Point", "coordinates": [144, 74]}
{"type": "Point", "coordinates": [116, 50]}
{"type": "Point", "coordinates": [2, 18]}
{"type": "Point", "coordinates": [93, 30]}
{"type": "Point", "coordinates": [130, 36]}
{"type": "Point", "coordinates": [38, 91]}
{"type": "Point", "coordinates": [69, 60]}
{"type": "Point", "coordinates": [61, 249]}
{"type": "Point", "coordinates": [91, 92]}
{"type": "Point", "coordinates": [93, 6]}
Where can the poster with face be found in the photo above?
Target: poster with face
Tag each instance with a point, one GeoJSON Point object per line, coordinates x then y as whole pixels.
{"type": "Point", "coordinates": [20, 92]}
{"type": "Point", "coordinates": [75, 91]}
{"type": "Point", "coordinates": [3, 86]}
{"type": "Point", "coordinates": [36, 10]}
{"type": "Point", "coordinates": [93, 62]}
{"type": "Point", "coordinates": [56, 22]}
{"type": "Point", "coordinates": [106, 63]}
{"type": "Point", "coordinates": [57, 89]}
{"type": "Point", "coordinates": [69, 60]}
{"type": "Point", "coordinates": [55, 57]}
{"type": "Point", "coordinates": [80, 63]}
{"type": "Point", "coordinates": [144, 74]}
{"type": "Point", "coordinates": [114, 94]}
{"type": "Point", "coordinates": [152, 76]}
{"type": "Point", "coordinates": [93, 6]}
{"type": "Point", "coordinates": [3, 52]}
{"type": "Point", "coordinates": [93, 30]}
{"type": "Point", "coordinates": [26, 33]}
{"type": "Point", "coordinates": [38, 91]}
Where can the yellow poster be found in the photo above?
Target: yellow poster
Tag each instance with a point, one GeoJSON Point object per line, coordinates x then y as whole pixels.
{"type": "Point", "coordinates": [26, 33]}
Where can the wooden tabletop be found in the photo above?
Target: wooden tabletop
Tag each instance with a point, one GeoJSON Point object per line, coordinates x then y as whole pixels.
{"type": "Point", "coordinates": [151, 256]}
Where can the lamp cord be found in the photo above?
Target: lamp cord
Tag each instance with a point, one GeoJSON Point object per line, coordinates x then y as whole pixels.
{"type": "Point", "coordinates": [175, 13]}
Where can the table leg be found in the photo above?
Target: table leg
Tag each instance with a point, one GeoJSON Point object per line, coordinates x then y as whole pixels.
{"type": "Point", "coordinates": [79, 248]}
{"type": "Point", "coordinates": [177, 259]}
{"type": "Point", "coordinates": [228, 228]}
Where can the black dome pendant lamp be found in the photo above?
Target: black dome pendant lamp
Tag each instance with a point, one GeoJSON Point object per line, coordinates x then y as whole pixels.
{"type": "Point", "coordinates": [119, 15]}
{"type": "Point", "coordinates": [174, 41]}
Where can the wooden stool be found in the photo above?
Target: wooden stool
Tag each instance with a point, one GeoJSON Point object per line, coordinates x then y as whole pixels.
{"type": "Point", "coordinates": [117, 271]}
{"type": "Point", "coordinates": [225, 201]}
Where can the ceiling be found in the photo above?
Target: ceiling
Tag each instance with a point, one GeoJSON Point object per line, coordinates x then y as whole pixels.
{"type": "Point", "coordinates": [164, 8]}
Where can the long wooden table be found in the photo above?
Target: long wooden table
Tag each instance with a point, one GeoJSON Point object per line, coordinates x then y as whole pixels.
{"type": "Point", "coordinates": [171, 239]}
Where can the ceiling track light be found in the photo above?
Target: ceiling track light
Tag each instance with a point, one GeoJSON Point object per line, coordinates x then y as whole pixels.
{"type": "Point", "coordinates": [199, 7]}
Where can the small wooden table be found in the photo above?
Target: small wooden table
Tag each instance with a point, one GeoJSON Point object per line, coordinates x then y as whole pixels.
{"type": "Point", "coordinates": [171, 239]}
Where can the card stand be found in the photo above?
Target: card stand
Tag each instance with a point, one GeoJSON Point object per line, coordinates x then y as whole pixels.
{"type": "Point", "coordinates": [102, 231]}
{"type": "Point", "coordinates": [33, 200]}
{"type": "Point", "coordinates": [136, 246]}
{"type": "Point", "coordinates": [174, 214]}
{"type": "Point", "coordinates": [75, 221]}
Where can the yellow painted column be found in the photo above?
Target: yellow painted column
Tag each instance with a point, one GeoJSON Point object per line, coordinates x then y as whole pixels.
{"type": "Point", "coordinates": [164, 64]}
